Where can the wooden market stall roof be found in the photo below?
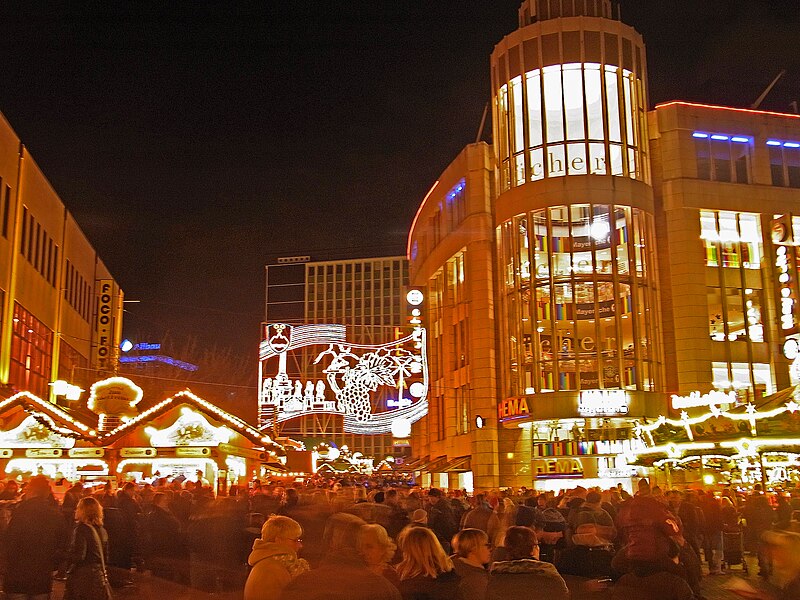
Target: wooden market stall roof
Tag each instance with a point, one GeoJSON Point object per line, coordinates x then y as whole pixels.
{"type": "Point", "coordinates": [247, 431]}
{"type": "Point", "coordinates": [51, 415]}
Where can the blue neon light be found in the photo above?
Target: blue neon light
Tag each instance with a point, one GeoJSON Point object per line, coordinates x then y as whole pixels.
{"type": "Point", "coordinates": [773, 143]}
{"type": "Point", "coordinates": [740, 139]}
{"type": "Point", "coordinates": [167, 360]}
{"type": "Point", "coordinates": [791, 145]}
{"type": "Point", "coordinates": [457, 189]}
{"type": "Point", "coordinates": [698, 134]}
{"type": "Point", "coordinates": [717, 136]}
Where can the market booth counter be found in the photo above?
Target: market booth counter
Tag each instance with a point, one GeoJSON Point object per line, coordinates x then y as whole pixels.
{"type": "Point", "coordinates": [187, 436]}
{"type": "Point", "coordinates": [38, 437]}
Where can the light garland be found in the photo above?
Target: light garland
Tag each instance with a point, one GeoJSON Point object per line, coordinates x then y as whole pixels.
{"type": "Point", "coordinates": [47, 408]}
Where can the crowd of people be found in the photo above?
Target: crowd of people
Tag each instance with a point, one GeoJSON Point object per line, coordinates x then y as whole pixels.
{"type": "Point", "coordinates": [362, 539]}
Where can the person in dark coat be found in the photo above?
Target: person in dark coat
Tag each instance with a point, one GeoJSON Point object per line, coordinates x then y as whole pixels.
{"type": "Point", "coordinates": [86, 579]}
{"type": "Point", "coordinates": [425, 572]}
{"type": "Point", "coordinates": [164, 549]}
{"type": "Point", "coordinates": [33, 543]}
{"type": "Point", "coordinates": [523, 576]}
{"type": "Point", "coordinates": [342, 574]}
{"type": "Point", "coordinates": [472, 553]}
{"type": "Point", "coordinates": [441, 518]}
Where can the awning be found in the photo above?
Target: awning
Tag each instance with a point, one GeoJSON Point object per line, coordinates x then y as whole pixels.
{"type": "Point", "coordinates": [412, 465]}
{"type": "Point", "coordinates": [274, 467]}
{"type": "Point", "coordinates": [462, 464]}
{"type": "Point", "coordinates": [434, 466]}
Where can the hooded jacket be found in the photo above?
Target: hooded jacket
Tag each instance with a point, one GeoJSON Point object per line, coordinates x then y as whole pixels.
{"type": "Point", "coordinates": [274, 565]}
{"type": "Point", "coordinates": [523, 579]}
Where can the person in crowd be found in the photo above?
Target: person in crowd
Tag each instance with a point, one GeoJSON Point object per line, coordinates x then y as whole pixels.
{"type": "Point", "coordinates": [482, 517]}
{"type": "Point", "coordinates": [33, 543]}
{"type": "Point", "coordinates": [398, 518]}
{"type": "Point", "coordinates": [274, 561]}
{"type": "Point", "coordinates": [71, 498]}
{"type": "Point", "coordinates": [10, 490]}
{"type": "Point", "coordinates": [217, 546]}
{"type": "Point", "coordinates": [527, 512]}
{"type": "Point", "coordinates": [441, 518]}
{"type": "Point", "coordinates": [643, 487]}
{"type": "Point", "coordinates": [506, 512]}
{"type": "Point", "coordinates": [759, 516]}
{"type": "Point", "coordinates": [342, 574]}
{"type": "Point", "coordinates": [86, 559]}
{"type": "Point", "coordinates": [472, 554]}
{"type": "Point", "coordinates": [165, 550]}
{"type": "Point", "coordinates": [123, 522]}
{"type": "Point", "coordinates": [419, 518]}
{"type": "Point", "coordinates": [589, 555]}
{"type": "Point", "coordinates": [590, 512]}
{"type": "Point", "coordinates": [712, 531]}
{"type": "Point", "coordinates": [730, 517]}
{"type": "Point", "coordinates": [551, 529]}
{"type": "Point", "coordinates": [653, 581]}
{"type": "Point", "coordinates": [683, 505]}
{"type": "Point", "coordinates": [523, 576]}
{"type": "Point", "coordinates": [783, 512]}
{"type": "Point", "coordinates": [425, 571]}
{"type": "Point", "coordinates": [377, 549]}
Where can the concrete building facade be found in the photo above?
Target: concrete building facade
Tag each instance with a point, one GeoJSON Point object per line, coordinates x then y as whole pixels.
{"type": "Point", "coordinates": [629, 249]}
{"type": "Point", "coordinates": [61, 308]}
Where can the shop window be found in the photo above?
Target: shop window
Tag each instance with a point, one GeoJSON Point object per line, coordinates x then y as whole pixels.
{"type": "Point", "coordinates": [784, 159]}
{"type": "Point", "coordinates": [722, 157]}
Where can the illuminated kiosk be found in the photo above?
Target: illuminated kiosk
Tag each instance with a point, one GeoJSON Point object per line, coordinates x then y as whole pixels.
{"type": "Point", "coordinates": [341, 378]}
{"type": "Point", "coordinates": [185, 434]}
{"type": "Point", "coordinates": [38, 437]}
{"type": "Point", "coordinates": [717, 439]}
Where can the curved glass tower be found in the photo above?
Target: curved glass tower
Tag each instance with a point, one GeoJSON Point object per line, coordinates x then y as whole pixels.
{"type": "Point", "coordinates": [577, 273]}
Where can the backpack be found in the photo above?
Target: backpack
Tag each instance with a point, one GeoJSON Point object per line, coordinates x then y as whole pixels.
{"type": "Point", "coordinates": [648, 528]}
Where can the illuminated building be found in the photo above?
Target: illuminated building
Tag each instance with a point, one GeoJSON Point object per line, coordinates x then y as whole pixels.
{"type": "Point", "coordinates": [367, 296]}
{"type": "Point", "coordinates": [605, 258]}
{"type": "Point", "coordinates": [61, 314]}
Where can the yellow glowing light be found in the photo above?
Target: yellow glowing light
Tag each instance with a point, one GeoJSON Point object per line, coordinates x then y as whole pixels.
{"type": "Point", "coordinates": [708, 479]}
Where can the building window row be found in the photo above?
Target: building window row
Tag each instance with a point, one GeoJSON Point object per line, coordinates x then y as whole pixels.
{"type": "Point", "coordinates": [78, 292]}
{"type": "Point", "coordinates": [723, 157]}
{"type": "Point", "coordinates": [31, 353]}
{"type": "Point", "coordinates": [36, 245]}
{"type": "Point", "coordinates": [784, 161]}
{"type": "Point", "coordinates": [450, 213]}
{"type": "Point", "coordinates": [580, 301]}
{"type": "Point", "coordinates": [5, 207]}
{"type": "Point", "coordinates": [571, 119]}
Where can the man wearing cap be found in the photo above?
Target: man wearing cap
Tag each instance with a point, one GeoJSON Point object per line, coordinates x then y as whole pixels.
{"type": "Point", "coordinates": [33, 543]}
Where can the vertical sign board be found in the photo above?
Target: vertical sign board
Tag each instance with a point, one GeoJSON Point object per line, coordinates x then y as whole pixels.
{"type": "Point", "coordinates": [105, 324]}
{"type": "Point", "coordinates": [785, 273]}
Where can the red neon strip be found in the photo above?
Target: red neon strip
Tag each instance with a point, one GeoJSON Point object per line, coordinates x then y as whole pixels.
{"type": "Point", "coordinates": [745, 110]}
{"type": "Point", "coordinates": [416, 216]}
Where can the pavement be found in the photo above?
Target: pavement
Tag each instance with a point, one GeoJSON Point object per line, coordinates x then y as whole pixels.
{"type": "Point", "coordinates": [147, 587]}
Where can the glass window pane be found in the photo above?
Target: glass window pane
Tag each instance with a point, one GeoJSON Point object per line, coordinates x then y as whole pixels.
{"type": "Point", "coordinates": [537, 164]}
{"type": "Point", "coordinates": [612, 96]}
{"type": "Point", "coordinates": [597, 159]}
{"type": "Point", "coordinates": [516, 98]}
{"type": "Point", "coordinates": [573, 101]}
{"type": "Point", "coordinates": [553, 103]}
{"type": "Point", "coordinates": [594, 101]}
{"type": "Point", "coordinates": [615, 151]}
{"type": "Point", "coordinates": [556, 161]}
{"type": "Point", "coordinates": [576, 159]}
{"type": "Point", "coordinates": [533, 80]}
{"type": "Point", "coordinates": [629, 104]}
{"type": "Point", "coordinates": [721, 159]}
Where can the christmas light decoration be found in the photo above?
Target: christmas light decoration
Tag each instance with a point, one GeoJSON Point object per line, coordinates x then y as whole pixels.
{"type": "Point", "coordinates": [353, 373]}
{"type": "Point", "coordinates": [189, 429]}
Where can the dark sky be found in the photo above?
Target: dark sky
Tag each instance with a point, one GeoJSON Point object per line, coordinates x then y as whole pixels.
{"type": "Point", "coordinates": [195, 145]}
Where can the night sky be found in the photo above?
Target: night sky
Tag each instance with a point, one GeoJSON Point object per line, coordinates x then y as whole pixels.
{"type": "Point", "coordinates": [195, 145]}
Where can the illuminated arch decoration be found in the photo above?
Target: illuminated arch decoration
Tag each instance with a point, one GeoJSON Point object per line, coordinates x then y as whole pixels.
{"type": "Point", "coordinates": [50, 415]}
{"type": "Point", "coordinates": [352, 373]}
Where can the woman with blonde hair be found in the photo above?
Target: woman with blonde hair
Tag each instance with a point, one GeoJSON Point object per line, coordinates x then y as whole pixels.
{"type": "Point", "coordinates": [86, 572]}
{"type": "Point", "coordinates": [472, 553]}
{"type": "Point", "coordinates": [377, 549]}
{"type": "Point", "coordinates": [273, 561]}
{"type": "Point", "coordinates": [426, 573]}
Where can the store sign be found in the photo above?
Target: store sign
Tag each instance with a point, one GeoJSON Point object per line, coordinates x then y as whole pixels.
{"type": "Point", "coordinates": [695, 399]}
{"type": "Point", "coordinates": [6, 453]}
{"type": "Point", "coordinates": [603, 403]}
{"type": "Point", "coordinates": [86, 452]}
{"type": "Point", "coordinates": [513, 407]}
{"type": "Point", "coordinates": [242, 452]}
{"type": "Point", "coordinates": [618, 473]}
{"type": "Point", "coordinates": [784, 267]}
{"type": "Point", "coordinates": [192, 452]}
{"type": "Point", "coordinates": [557, 468]}
{"type": "Point", "coordinates": [44, 452]}
{"type": "Point", "coordinates": [137, 452]}
{"type": "Point", "coordinates": [105, 324]}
